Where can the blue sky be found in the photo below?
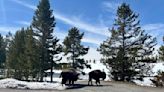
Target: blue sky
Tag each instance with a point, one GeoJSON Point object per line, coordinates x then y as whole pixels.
{"type": "Point", "coordinates": [93, 17]}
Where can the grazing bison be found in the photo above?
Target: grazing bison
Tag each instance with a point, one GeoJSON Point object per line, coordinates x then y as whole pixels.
{"type": "Point", "coordinates": [69, 76]}
{"type": "Point", "coordinates": [96, 75]}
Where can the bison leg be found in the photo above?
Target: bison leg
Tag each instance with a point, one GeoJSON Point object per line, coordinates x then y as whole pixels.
{"type": "Point", "coordinates": [72, 82]}
{"type": "Point", "coordinates": [69, 82]}
{"type": "Point", "coordinates": [90, 81]}
{"type": "Point", "coordinates": [97, 82]}
{"type": "Point", "coordinates": [63, 81]}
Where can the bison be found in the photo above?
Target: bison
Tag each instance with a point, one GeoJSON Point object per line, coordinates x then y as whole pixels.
{"type": "Point", "coordinates": [96, 75]}
{"type": "Point", "coordinates": [69, 76]}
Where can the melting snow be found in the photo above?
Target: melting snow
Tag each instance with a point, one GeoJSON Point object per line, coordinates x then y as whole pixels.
{"type": "Point", "coordinates": [146, 81]}
{"type": "Point", "coordinates": [13, 83]}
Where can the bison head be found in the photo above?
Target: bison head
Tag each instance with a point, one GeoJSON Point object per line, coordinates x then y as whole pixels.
{"type": "Point", "coordinates": [75, 77]}
{"type": "Point", "coordinates": [103, 75]}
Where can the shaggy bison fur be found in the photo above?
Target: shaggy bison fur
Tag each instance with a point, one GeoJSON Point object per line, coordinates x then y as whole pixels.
{"type": "Point", "coordinates": [96, 75]}
{"type": "Point", "coordinates": [69, 76]}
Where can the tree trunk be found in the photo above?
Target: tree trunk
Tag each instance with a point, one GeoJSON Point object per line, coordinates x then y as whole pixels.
{"type": "Point", "coordinates": [51, 71]}
{"type": "Point", "coordinates": [73, 57]}
{"type": "Point", "coordinates": [41, 75]}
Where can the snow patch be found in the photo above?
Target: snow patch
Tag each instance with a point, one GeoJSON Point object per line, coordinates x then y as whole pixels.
{"type": "Point", "coordinates": [13, 83]}
{"type": "Point", "coordinates": [146, 82]}
{"type": "Point", "coordinates": [155, 68]}
{"type": "Point", "coordinates": [55, 79]}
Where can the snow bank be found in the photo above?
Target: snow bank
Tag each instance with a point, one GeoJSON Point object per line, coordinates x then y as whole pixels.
{"type": "Point", "coordinates": [54, 71]}
{"type": "Point", "coordinates": [55, 79]}
{"type": "Point", "coordinates": [146, 81]}
{"type": "Point", "coordinates": [56, 74]}
{"type": "Point", "coordinates": [13, 83]}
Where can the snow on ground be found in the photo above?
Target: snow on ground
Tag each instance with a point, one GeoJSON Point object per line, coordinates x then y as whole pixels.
{"type": "Point", "coordinates": [55, 76]}
{"type": "Point", "coordinates": [55, 71]}
{"type": "Point", "coordinates": [55, 79]}
{"type": "Point", "coordinates": [146, 81]}
{"type": "Point", "coordinates": [13, 83]}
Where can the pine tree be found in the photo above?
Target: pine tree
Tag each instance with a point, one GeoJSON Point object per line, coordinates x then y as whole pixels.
{"type": "Point", "coordinates": [16, 55]}
{"type": "Point", "coordinates": [161, 52]}
{"type": "Point", "coordinates": [32, 65]}
{"type": "Point", "coordinates": [43, 24]}
{"type": "Point", "coordinates": [23, 55]}
{"type": "Point", "coordinates": [2, 51]}
{"type": "Point", "coordinates": [54, 50]}
{"type": "Point", "coordinates": [127, 45]}
{"type": "Point", "coordinates": [8, 40]}
{"type": "Point", "coordinates": [73, 46]}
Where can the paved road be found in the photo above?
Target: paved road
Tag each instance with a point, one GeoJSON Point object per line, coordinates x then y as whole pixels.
{"type": "Point", "coordinates": [105, 87]}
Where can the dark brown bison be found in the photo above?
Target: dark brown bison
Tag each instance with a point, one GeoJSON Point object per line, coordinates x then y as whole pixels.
{"type": "Point", "coordinates": [96, 75]}
{"type": "Point", "coordinates": [69, 76]}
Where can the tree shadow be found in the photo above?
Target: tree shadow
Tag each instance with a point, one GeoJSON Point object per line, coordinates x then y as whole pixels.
{"type": "Point", "coordinates": [78, 86]}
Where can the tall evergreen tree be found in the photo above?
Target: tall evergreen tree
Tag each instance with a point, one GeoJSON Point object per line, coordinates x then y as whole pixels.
{"type": "Point", "coordinates": [2, 51]}
{"type": "Point", "coordinates": [127, 45]}
{"type": "Point", "coordinates": [54, 50]}
{"type": "Point", "coordinates": [161, 52]}
{"type": "Point", "coordinates": [8, 40]}
{"type": "Point", "coordinates": [23, 55]}
{"type": "Point", "coordinates": [32, 65]}
{"type": "Point", "coordinates": [73, 46]}
{"type": "Point", "coordinates": [16, 55]}
{"type": "Point", "coordinates": [43, 24]}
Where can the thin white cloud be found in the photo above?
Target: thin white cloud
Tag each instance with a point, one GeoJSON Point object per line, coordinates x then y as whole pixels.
{"type": "Point", "coordinates": [92, 54]}
{"type": "Point", "coordinates": [73, 21]}
{"type": "Point", "coordinates": [6, 29]}
{"type": "Point", "coordinates": [156, 29]}
{"type": "Point", "coordinates": [26, 23]}
{"type": "Point", "coordinates": [153, 27]}
{"type": "Point", "coordinates": [92, 40]}
{"type": "Point", "coordinates": [24, 4]}
{"type": "Point", "coordinates": [61, 34]}
{"type": "Point", "coordinates": [110, 6]}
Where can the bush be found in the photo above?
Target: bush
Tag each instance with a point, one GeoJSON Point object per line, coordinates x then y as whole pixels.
{"type": "Point", "coordinates": [158, 80]}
